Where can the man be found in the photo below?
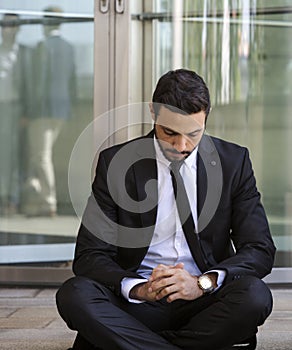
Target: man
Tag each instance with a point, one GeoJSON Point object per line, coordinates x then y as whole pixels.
{"type": "Point", "coordinates": [55, 92]}
{"type": "Point", "coordinates": [13, 64]}
{"type": "Point", "coordinates": [155, 272]}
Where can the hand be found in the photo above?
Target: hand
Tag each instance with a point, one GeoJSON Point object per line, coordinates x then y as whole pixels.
{"type": "Point", "coordinates": [141, 292]}
{"type": "Point", "coordinates": [144, 291]}
{"type": "Point", "coordinates": [173, 282]}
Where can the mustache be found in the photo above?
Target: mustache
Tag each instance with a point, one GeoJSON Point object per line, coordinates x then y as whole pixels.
{"type": "Point", "coordinates": [174, 151]}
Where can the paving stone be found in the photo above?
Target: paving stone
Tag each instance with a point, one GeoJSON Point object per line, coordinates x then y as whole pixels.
{"type": "Point", "coordinates": [47, 293]}
{"type": "Point", "coordinates": [36, 345]}
{"type": "Point", "coordinates": [18, 293]}
{"type": "Point", "coordinates": [282, 300]}
{"type": "Point", "coordinates": [29, 323]}
{"type": "Point", "coordinates": [280, 325]}
{"type": "Point", "coordinates": [43, 334]}
{"type": "Point", "coordinates": [281, 315]}
{"type": "Point", "coordinates": [6, 312]}
{"type": "Point", "coordinates": [36, 339]}
{"type": "Point", "coordinates": [57, 324]}
{"type": "Point", "coordinates": [36, 312]}
{"type": "Point", "coordinates": [25, 302]}
{"type": "Point", "coordinates": [270, 340]}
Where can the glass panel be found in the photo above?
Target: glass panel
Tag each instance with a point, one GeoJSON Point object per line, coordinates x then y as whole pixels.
{"type": "Point", "coordinates": [46, 100]}
{"type": "Point", "coordinates": [243, 49]}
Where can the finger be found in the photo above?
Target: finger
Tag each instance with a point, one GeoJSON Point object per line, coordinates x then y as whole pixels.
{"type": "Point", "coordinates": [158, 274]}
{"type": "Point", "coordinates": [158, 285]}
{"type": "Point", "coordinates": [167, 292]}
{"type": "Point", "coordinates": [162, 267]}
{"type": "Point", "coordinates": [171, 293]}
{"type": "Point", "coordinates": [158, 269]}
{"type": "Point", "coordinates": [172, 297]}
{"type": "Point", "coordinates": [179, 266]}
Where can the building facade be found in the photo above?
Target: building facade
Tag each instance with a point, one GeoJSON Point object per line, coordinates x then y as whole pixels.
{"type": "Point", "coordinates": [118, 50]}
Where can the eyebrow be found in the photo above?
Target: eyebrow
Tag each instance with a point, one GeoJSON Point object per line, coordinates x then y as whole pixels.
{"type": "Point", "coordinates": [175, 132]}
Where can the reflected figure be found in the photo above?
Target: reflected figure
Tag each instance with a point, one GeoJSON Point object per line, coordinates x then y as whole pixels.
{"type": "Point", "coordinates": [54, 83]}
{"type": "Point", "coordinates": [10, 106]}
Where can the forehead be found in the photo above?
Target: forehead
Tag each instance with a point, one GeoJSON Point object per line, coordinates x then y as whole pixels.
{"type": "Point", "coordinates": [179, 122]}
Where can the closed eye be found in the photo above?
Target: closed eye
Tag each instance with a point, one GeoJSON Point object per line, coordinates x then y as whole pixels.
{"type": "Point", "coordinates": [169, 132]}
{"type": "Point", "coordinates": [195, 133]}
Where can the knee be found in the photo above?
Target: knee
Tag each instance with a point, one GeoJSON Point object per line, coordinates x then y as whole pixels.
{"type": "Point", "coordinates": [253, 297]}
{"type": "Point", "coordinates": [259, 296]}
{"type": "Point", "coordinates": [71, 294]}
{"type": "Point", "coordinates": [260, 299]}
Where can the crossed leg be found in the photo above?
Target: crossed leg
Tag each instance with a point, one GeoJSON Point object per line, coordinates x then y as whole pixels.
{"type": "Point", "coordinates": [106, 321]}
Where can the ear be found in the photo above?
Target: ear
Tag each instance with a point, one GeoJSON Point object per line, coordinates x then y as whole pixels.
{"type": "Point", "coordinates": [152, 111]}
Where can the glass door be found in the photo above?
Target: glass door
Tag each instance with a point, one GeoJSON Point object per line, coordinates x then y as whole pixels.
{"type": "Point", "coordinates": [241, 48]}
{"type": "Point", "coordinates": [244, 52]}
{"type": "Point", "coordinates": [46, 100]}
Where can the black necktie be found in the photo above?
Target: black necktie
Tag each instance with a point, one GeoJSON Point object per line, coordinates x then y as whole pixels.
{"type": "Point", "coordinates": [185, 214]}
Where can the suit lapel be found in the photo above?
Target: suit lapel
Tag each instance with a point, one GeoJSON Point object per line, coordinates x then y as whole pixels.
{"type": "Point", "coordinates": [201, 184]}
{"type": "Point", "coordinates": [209, 181]}
{"type": "Point", "coordinates": [145, 172]}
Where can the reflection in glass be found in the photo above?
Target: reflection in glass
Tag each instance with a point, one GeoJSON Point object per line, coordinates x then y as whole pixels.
{"type": "Point", "coordinates": [54, 90]}
{"type": "Point", "coordinates": [10, 106]}
{"type": "Point", "coordinates": [46, 100]}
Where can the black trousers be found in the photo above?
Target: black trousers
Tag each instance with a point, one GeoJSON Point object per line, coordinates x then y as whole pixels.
{"type": "Point", "coordinates": [109, 322]}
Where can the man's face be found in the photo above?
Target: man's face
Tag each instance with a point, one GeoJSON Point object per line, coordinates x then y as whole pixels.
{"type": "Point", "coordinates": [178, 134]}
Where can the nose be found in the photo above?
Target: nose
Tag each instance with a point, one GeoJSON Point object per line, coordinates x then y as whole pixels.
{"type": "Point", "coordinates": [179, 143]}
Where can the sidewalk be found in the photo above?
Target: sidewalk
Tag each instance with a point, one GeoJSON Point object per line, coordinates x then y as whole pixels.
{"type": "Point", "coordinates": [29, 321]}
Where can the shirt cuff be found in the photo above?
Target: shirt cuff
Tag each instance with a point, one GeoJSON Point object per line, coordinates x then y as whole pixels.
{"type": "Point", "coordinates": [127, 284]}
{"type": "Point", "coordinates": [220, 279]}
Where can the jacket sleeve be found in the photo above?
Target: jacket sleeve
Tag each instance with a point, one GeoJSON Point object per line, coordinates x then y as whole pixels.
{"type": "Point", "coordinates": [250, 234]}
{"type": "Point", "coordinates": [95, 252]}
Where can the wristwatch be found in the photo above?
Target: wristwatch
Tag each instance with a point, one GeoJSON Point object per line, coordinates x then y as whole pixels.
{"type": "Point", "coordinates": [205, 283]}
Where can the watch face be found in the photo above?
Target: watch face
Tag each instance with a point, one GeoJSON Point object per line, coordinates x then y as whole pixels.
{"type": "Point", "coordinates": [205, 283]}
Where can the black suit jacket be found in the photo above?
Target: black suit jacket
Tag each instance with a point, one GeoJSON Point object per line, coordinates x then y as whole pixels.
{"type": "Point", "coordinates": [119, 219]}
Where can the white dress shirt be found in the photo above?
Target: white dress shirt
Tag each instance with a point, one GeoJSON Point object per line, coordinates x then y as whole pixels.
{"type": "Point", "coordinates": [169, 245]}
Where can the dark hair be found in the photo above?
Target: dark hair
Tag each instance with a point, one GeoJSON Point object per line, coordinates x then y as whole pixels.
{"type": "Point", "coordinates": [50, 20]}
{"type": "Point", "coordinates": [181, 90]}
{"type": "Point", "coordinates": [56, 9]}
